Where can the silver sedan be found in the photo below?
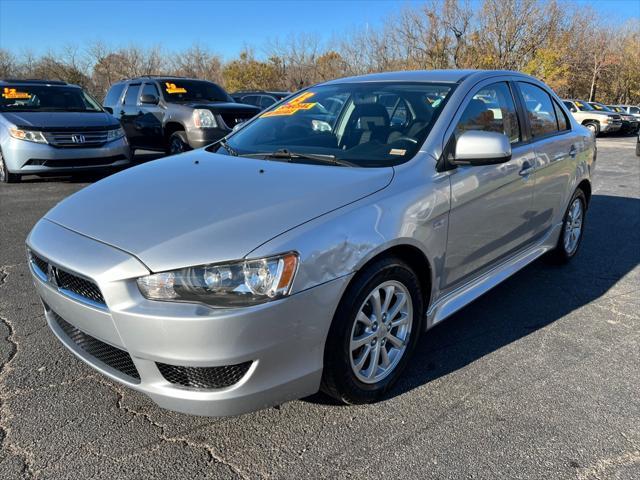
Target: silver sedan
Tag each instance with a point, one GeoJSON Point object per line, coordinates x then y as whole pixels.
{"type": "Point", "coordinates": [311, 248]}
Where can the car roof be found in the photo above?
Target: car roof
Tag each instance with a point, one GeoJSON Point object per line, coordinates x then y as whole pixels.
{"type": "Point", "coordinates": [34, 81]}
{"type": "Point", "coordinates": [443, 76]}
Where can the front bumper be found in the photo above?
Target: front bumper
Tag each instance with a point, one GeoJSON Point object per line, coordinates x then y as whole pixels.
{"type": "Point", "coordinates": [610, 127]}
{"type": "Point", "coordinates": [26, 158]}
{"type": "Point", "coordinates": [201, 137]}
{"type": "Point", "coordinates": [282, 340]}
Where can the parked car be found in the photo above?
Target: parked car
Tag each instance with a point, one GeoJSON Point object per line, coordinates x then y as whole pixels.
{"type": "Point", "coordinates": [259, 98]}
{"type": "Point", "coordinates": [596, 121]}
{"type": "Point", "coordinates": [630, 109]}
{"type": "Point", "coordinates": [174, 114]}
{"type": "Point", "coordinates": [53, 127]}
{"type": "Point", "coordinates": [286, 258]}
{"type": "Point", "coordinates": [629, 122]}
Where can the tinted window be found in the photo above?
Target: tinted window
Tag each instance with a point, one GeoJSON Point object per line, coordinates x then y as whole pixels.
{"type": "Point", "coordinates": [251, 99]}
{"type": "Point", "coordinates": [178, 90]}
{"type": "Point", "coordinates": [131, 97]}
{"type": "Point", "coordinates": [492, 109]}
{"type": "Point", "coordinates": [150, 89]}
{"type": "Point", "coordinates": [114, 94]}
{"type": "Point", "coordinates": [48, 98]}
{"type": "Point", "coordinates": [540, 110]}
{"type": "Point", "coordinates": [563, 121]}
{"type": "Point", "coordinates": [266, 101]}
{"type": "Point", "coordinates": [346, 121]}
{"type": "Point", "coordinates": [635, 110]}
{"type": "Point", "coordinates": [569, 105]}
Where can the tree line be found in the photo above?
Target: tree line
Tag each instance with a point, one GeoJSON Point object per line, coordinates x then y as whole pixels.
{"type": "Point", "coordinates": [570, 47]}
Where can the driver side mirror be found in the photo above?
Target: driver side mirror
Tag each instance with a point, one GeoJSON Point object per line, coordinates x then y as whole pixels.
{"type": "Point", "coordinates": [149, 99]}
{"type": "Point", "coordinates": [478, 147]}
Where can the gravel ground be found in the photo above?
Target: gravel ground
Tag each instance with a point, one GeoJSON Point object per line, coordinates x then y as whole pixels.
{"type": "Point", "coordinates": [540, 378]}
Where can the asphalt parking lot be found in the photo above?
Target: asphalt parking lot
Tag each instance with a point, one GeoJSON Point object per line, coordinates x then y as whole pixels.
{"type": "Point", "coordinates": [538, 379]}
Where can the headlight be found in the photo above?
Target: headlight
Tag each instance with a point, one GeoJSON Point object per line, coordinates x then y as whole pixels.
{"type": "Point", "coordinates": [204, 118]}
{"type": "Point", "coordinates": [114, 134]}
{"type": "Point", "coordinates": [606, 119]}
{"type": "Point", "coordinates": [236, 284]}
{"type": "Point", "coordinates": [28, 135]}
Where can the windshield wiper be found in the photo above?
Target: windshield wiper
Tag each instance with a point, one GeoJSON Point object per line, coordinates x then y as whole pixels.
{"type": "Point", "coordinates": [232, 151]}
{"type": "Point", "coordinates": [291, 156]}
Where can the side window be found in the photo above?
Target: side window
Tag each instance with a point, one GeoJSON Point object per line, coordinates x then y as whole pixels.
{"type": "Point", "coordinates": [131, 97]}
{"type": "Point", "coordinates": [540, 111]}
{"type": "Point", "coordinates": [266, 101]}
{"type": "Point", "coordinates": [491, 109]}
{"type": "Point", "coordinates": [113, 95]}
{"type": "Point", "coordinates": [570, 106]}
{"type": "Point", "coordinates": [563, 121]}
{"type": "Point", "coordinates": [251, 99]}
{"type": "Point", "coordinates": [150, 89]}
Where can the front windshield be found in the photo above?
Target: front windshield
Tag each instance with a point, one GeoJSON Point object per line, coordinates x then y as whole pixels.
{"type": "Point", "coordinates": [600, 107]}
{"type": "Point", "coordinates": [176, 90]}
{"type": "Point", "coordinates": [366, 124]}
{"type": "Point", "coordinates": [584, 106]}
{"type": "Point", "coordinates": [46, 98]}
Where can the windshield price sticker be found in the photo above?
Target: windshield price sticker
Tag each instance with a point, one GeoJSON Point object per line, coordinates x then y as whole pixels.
{"type": "Point", "coordinates": [293, 106]}
{"type": "Point", "coordinates": [172, 88]}
{"type": "Point", "coordinates": [13, 93]}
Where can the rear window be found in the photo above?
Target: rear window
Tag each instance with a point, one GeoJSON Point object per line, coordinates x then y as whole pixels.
{"type": "Point", "coordinates": [113, 95]}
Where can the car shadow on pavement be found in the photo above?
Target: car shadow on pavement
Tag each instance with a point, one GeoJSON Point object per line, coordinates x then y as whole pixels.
{"type": "Point", "coordinates": [532, 299]}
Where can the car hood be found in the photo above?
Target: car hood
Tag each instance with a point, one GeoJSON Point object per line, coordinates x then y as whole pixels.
{"type": "Point", "coordinates": [201, 207]}
{"type": "Point", "coordinates": [61, 120]}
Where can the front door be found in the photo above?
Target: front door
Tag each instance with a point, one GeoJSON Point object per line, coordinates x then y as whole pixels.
{"type": "Point", "coordinates": [128, 113]}
{"type": "Point", "coordinates": [491, 205]}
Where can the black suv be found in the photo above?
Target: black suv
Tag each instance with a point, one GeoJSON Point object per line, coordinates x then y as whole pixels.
{"type": "Point", "coordinates": [174, 114]}
{"type": "Point", "coordinates": [260, 98]}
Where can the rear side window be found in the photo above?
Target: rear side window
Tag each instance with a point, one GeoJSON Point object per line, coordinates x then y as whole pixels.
{"type": "Point", "coordinates": [563, 121]}
{"type": "Point", "coordinates": [131, 97]}
{"type": "Point", "coordinates": [492, 109]}
{"type": "Point", "coordinates": [540, 110]}
{"type": "Point", "coordinates": [251, 99]}
{"type": "Point", "coordinates": [113, 95]}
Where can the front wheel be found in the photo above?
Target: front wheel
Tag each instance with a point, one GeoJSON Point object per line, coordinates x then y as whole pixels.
{"type": "Point", "coordinates": [5, 175]}
{"type": "Point", "coordinates": [572, 229]}
{"type": "Point", "coordinates": [178, 143]}
{"type": "Point", "coordinates": [373, 333]}
{"type": "Point", "coordinates": [595, 129]}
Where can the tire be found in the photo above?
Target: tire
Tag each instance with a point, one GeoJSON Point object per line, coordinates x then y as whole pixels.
{"type": "Point", "coordinates": [594, 127]}
{"type": "Point", "coordinates": [5, 175]}
{"type": "Point", "coordinates": [178, 143]}
{"type": "Point", "coordinates": [342, 377]}
{"type": "Point", "coordinates": [568, 244]}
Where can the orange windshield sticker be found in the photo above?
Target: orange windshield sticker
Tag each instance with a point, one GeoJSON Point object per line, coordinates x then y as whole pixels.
{"type": "Point", "coordinates": [172, 88]}
{"type": "Point", "coordinates": [13, 93]}
{"type": "Point", "coordinates": [293, 106]}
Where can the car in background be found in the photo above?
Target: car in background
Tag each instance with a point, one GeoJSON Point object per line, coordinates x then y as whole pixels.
{"type": "Point", "coordinates": [630, 109]}
{"type": "Point", "coordinates": [260, 98]}
{"type": "Point", "coordinates": [174, 114]}
{"type": "Point", "coordinates": [596, 121]}
{"type": "Point", "coordinates": [49, 127]}
{"type": "Point", "coordinates": [291, 258]}
{"type": "Point", "coordinates": [638, 145]}
{"type": "Point", "coordinates": [629, 122]}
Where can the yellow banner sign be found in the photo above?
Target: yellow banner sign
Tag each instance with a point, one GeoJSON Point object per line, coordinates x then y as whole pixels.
{"type": "Point", "coordinates": [14, 94]}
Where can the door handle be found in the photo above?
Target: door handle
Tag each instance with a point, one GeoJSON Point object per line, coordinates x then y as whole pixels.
{"type": "Point", "coordinates": [573, 151]}
{"type": "Point", "coordinates": [527, 168]}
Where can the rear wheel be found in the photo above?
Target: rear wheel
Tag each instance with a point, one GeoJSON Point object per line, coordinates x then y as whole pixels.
{"type": "Point", "coordinates": [178, 143]}
{"type": "Point", "coordinates": [572, 229]}
{"type": "Point", "coordinates": [373, 333]}
{"type": "Point", "coordinates": [5, 175]}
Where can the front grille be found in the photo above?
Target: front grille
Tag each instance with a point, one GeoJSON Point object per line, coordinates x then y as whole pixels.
{"type": "Point", "coordinates": [109, 355]}
{"type": "Point", "coordinates": [42, 265]}
{"type": "Point", "coordinates": [78, 285]}
{"type": "Point", "coordinates": [75, 162]}
{"type": "Point", "coordinates": [231, 119]}
{"type": "Point", "coordinates": [204, 377]}
{"type": "Point", "coordinates": [76, 139]}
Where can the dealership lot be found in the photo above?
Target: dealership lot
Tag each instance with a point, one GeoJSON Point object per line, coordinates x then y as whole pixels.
{"type": "Point", "coordinates": [537, 379]}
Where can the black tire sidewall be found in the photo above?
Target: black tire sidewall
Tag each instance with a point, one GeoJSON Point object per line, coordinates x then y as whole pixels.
{"type": "Point", "coordinates": [564, 255]}
{"type": "Point", "coordinates": [181, 136]}
{"type": "Point", "coordinates": [338, 378]}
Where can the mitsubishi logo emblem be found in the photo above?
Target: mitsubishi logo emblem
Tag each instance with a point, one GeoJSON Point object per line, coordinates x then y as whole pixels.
{"type": "Point", "coordinates": [77, 138]}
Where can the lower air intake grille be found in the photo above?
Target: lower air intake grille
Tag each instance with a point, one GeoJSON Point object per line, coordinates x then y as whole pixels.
{"type": "Point", "coordinates": [42, 265]}
{"type": "Point", "coordinates": [111, 356]}
{"type": "Point", "coordinates": [204, 377]}
{"type": "Point", "coordinates": [79, 286]}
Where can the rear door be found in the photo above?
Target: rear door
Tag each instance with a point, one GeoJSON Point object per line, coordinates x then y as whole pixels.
{"type": "Point", "coordinates": [556, 147]}
{"type": "Point", "coordinates": [491, 204]}
{"type": "Point", "coordinates": [149, 120]}
{"type": "Point", "coordinates": [128, 111]}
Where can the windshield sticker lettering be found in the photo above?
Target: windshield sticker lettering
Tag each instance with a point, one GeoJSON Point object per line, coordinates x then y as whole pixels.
{"type": "Point", "coordinates": [293, 106]}
{"type": "Point", "coordinates": [172, 88]}
{"type": "Point", "coordinates": [14, 94]}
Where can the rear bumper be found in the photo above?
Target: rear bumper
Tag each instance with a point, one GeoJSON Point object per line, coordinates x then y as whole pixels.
{"type": "Point", "coordinates": [25, 158]}
{"type": "Point", "coordinates": [282, 340]}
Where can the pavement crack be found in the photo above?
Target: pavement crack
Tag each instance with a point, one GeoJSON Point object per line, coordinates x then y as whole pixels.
{"type": "Point", "coordinates": [601, 468]}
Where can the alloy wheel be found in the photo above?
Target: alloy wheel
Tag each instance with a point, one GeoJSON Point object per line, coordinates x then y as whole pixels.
{"type": "Point", "coordinates": [177, 146]}
{"type": "Point", "coordinates": [381, 331]}
{"type": "Point", "coordinates": [573, 226]}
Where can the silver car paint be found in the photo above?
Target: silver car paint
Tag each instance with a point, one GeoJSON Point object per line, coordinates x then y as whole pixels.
{"type": "Point", "coordinates": [475, 226]}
